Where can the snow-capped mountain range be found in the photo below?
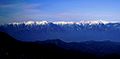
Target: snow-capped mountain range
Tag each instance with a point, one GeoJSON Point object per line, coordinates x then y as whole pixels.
{"type": "Point", "coordinates": [63, 22]}
{"type": "Point", "coordinates": [67, 31]}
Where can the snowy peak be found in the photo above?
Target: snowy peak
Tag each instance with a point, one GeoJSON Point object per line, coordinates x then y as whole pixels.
{"type": "Point", "coordinates": [61, 22]}
{"type": "Point", "coordinates": [95, 22]}
{"type": "Point", "coordinates": [30, 22]}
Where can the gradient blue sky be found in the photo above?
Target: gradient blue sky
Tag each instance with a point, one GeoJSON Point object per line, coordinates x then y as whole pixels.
{"type": "Point", "coordinates": [59, 10]}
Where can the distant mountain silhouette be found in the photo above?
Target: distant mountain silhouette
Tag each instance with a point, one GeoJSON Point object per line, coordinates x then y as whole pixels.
{"type": "Point", "coordinates": [11, 48]}
{"type": "Point", "coordinates": [93, 47]}
{"type": "Point", "coordinates": [67, 31]}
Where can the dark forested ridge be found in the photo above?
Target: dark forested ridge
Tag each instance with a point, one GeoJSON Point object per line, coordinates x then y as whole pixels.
{"type": "Point", "coordinates": [11, 48]}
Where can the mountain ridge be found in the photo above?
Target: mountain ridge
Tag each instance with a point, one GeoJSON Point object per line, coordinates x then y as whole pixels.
{"type": "Point", "coordinates": [64, 22]}
{"type": "Point", "coordinates": [66, 32]}
{"type": "Point", "coordinates": [12, 48]}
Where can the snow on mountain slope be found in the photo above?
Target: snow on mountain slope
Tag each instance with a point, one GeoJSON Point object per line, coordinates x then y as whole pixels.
{"type": "Point", "coordinates": [66, 26]}
{"type": "Point", "coordinates": [62, 22]}
{"type": "Point", "coordinates": [67, 31]}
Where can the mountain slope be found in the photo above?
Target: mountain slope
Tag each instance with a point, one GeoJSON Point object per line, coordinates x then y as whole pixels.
{"type": "Point", "coordinates": [67, 31]}
{"type": "Point", "coordinates": [11, 48]}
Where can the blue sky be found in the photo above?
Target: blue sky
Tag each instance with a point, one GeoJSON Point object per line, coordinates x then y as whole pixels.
{"type": "Point", "coordinates": [59, 10]}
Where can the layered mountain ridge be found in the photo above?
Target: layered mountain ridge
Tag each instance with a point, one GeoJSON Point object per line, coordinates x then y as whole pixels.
{"type": "Point", "coordinates": [57, 49]}
{"type": "Point", "coordinates": [65, 22]}
{"type": "Point", "coordinates": [67, 31]}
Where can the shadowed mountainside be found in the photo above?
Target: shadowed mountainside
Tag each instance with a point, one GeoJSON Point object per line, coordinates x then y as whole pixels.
{"type": "Point", "coordinates": [11, 48]}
